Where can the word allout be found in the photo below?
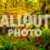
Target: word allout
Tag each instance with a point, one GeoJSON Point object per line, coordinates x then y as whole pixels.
{"type": "Point", "coordinates": [27, 22]}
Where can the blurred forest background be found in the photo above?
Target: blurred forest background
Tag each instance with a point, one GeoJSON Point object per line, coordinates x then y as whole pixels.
{"type": "Point", "coordinates": [22, 7]}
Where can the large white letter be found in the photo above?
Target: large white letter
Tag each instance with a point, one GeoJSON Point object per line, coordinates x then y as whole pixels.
{"type": "Point", "coordinates": [39, 20]}
{"type": "Point", "coordinates": [19, 21]}
{"type": "Point", "coordinates": [10, 31]}
{"type": "Point", "coordinates": [16, 33]}
{"type": "Point", "coordinates": [11, 21]}
{"type": "Point", "coordinates": [4, 21]}
{"type": "Point", "coordinates": [46, 19]}
{"type": "Point", "coordinates": [31, 32]}
{"type": "Point", "coordinates": [26, 21]}
{"type": "Point", "coordinates": [24, 32]}
{"type": "Point", "coordinates": [38, 34]}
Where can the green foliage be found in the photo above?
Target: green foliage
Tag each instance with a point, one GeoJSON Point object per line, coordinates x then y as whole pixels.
{"type": "Point", "coordinates": [9, 45]}
{"type": "Point", "coordinates": [46, 31]}
{"type": "Point", "coordinates": [22, 45]}
{"type": "Point", "coordinates": [49, 47]}
{"type": "Point", "coordinates": [2, 39]}
{"type": "Point", "coordinates": [42, 49]}
{"type": "Point", "coordinates": [28, 2]}
{"type": "Point", "coordinates": [45, 44]}
{"type": "Point", "coordinates": [2, 48]}
{"type": "Point", "coordinates": [49, 2]}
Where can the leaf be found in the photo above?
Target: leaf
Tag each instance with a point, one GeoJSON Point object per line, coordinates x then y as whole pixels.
{"type": "Point", "coordinates": [2, 48]}
{"type": "Point", "coordinates": [42, 49]}
{"type": "Point", "coordinates": [46, 43]}
{"type": "Point", "coordinates": [2, 39]}
{"type": "Point", "coordinates": [46, 31]}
